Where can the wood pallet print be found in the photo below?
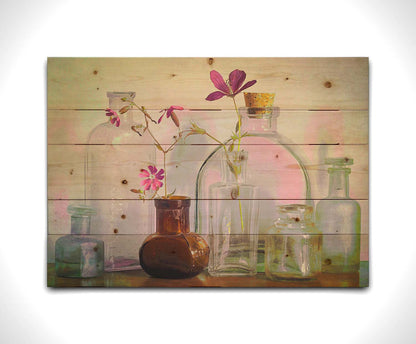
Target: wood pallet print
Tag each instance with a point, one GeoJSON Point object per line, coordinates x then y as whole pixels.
{"type": "Point", "coordinates": [208, 172]}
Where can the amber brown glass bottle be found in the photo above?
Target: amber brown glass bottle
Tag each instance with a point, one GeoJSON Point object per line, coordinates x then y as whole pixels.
{"type": "Point", "coordinates": [173, 252]}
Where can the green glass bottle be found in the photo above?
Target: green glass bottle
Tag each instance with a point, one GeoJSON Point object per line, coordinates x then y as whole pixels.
{"type": "Point", "coordinates": [338, 217]}
{"type": "Point", "coordinates": [79, 254]}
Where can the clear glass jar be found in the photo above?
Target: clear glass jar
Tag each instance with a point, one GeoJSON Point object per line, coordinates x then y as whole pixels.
{"type": "Point", "coordinates": [79, 254]}
{"type": "Point", "coordinates": [275, 166]}
{"type": "Point", "coordinates": [339, 218]}
{"type": "Point", "coordinates": [233, 219]}
{"type": "Point", "coordinates": [293, 245]}
{"type": "Point", "coordinates": [114, 158]}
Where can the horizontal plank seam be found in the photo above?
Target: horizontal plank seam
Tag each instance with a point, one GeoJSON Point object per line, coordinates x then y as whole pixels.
{"type": "Point", "coordinates": [146, 234]}
{"type": "Point", "coordinates": [207, 144]}
{"type": "Point", "coordinates": [221, 110]}
{"type": "Point", "coordinates": [208, 199]}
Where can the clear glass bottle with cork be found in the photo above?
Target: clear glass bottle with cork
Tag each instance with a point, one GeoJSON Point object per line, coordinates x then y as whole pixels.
{"type": "Point", "coordinates": [275, 165]}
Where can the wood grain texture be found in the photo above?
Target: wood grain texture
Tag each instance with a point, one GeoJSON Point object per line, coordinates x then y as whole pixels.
{"type": "Point", "coordinates": [138, 217]}
{"type": "Point", "coordinates": [115, 178]}
{"type": "Point", "coordinates": [299, 83]}
{"type": "Point", "coordinates": [301, 127]}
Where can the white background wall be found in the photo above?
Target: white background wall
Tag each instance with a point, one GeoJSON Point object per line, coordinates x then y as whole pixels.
{"type": "Point", "coordinates": [383, 30]}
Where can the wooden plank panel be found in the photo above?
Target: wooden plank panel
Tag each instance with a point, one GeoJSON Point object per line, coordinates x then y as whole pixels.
{"type": "Point", "coordinates": [115, 177]}
{"type": "Point", "coordinates": [66, 171]}
{"type": "Point", "coordinates": [130, 244]}
{"type": "Point", "coordinates": [138, 217]}
{"type": "Point", "coordinates": [299, 83]}
{"type": "Point", "coordinates": [301, 127]}
{"type": "Point", "coordinates": [138, 222]}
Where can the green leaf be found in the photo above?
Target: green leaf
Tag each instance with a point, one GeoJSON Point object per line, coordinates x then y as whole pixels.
{"type": "Point", "coordinates": [170, 194]}
{"type": "Point", "coordinates": [158, 146]}
{"type": "Point", "coordinates": [234, 136]}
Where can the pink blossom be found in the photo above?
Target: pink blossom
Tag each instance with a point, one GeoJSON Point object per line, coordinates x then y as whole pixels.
{"type": "Point", "coordinates": [169, 111]}
{"type": "Point", "coordinates": [152, 177]}
{"type": "Point", "coordinates": [232, 87]}
{"type": "Point", "coordinates": [114, 118]}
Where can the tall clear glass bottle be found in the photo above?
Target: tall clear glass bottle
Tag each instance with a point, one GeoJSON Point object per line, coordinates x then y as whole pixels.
{"type": "Point", "coordinates": [233, 220]}
{"type": "Point", "coordinates": [339, 218]}
{"type": "Point", "coordinates": [293, 245]}
{"type": "Point", "coordinates": [275, 166]}
{"type": "Point", "coordinates": [114, 158]}
{"type": "Point", "coordinates": [79, 254]}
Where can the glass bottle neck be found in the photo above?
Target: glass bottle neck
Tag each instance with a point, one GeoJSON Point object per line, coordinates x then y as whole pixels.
{"type": "Point", "coordinates": [294, 216]}
{"type": "Point", "coordinates": [80, 224]}
{"type": "Point", "coordinates": [172, 215]}
{"type": "Point", "coordinates": [338, 183]}
{"type": "Point", "coordinates": [126, 119]}
{"type": "Point", "coordinates": [258, 124]}
{"type": "Point", "coordinates": [116, 102]}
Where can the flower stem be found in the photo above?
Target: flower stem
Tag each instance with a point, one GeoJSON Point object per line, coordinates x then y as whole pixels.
{"type": "Point", "coordinates": [239, 123]}
{"type": "Point", "coordinates": [164, 151]}
{"type": "Point", "coordinates": [238, 149]}
{"type": "Point", "coordinates": [166, 175]}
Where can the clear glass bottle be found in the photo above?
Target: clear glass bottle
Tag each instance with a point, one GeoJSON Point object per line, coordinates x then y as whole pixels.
{"type": "Point", "coordinates": [339, 218]}
{"type": "Point", "coordinates": [114, 158]}
{"type": "Point", "coordinates": [233, 219]}
{"type": "Point", "coordinates": [275, 166]}
{"type": "Point", "coordinates": [293, 245]}
{"type": "Point", "coordinates": [79, 254]}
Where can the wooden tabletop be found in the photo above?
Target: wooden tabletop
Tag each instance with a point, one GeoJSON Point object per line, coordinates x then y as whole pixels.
{"type": "Point", "coordinates": [138, 278]}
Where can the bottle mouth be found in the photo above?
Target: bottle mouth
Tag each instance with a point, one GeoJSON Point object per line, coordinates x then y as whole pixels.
{"type": "Point", "coordinates": [294, 215]}
{"type": "Point", "coordinates": [339, 161]}
{"type": "Point", "coordinates": [173, 202]}
{"type": "Point", "coordinates": [260, 112]}
{"type": "Point", "coordinates": [129, 95]}
{"type": "Point", "coordinates": [80, 210]}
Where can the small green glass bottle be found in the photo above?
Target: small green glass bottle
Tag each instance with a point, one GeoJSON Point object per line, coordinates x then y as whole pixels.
{"type": "Point", "coordinates": [79, 254]}
{"type": "Point", "coordinates": [339, 218]}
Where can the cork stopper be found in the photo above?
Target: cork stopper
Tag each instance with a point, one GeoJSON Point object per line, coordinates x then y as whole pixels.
{"type": "Point", "coordinates": [258, 102]}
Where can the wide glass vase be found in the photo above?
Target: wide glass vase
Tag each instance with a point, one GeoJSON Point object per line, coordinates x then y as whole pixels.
{"type": "Point", "coordinates": [173, 251]}
{"type": "Point", "coordinates": [114, 158]}
{"type": "Point", "coordinates": [275, 166]}
{"type": "Point", "coordinates": [233, 219]}
{"type": "Point", "coordinates": [293, 245]}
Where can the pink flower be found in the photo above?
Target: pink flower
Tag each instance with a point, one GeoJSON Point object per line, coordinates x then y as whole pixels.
{"type": "Point", "coordinates": [152, 177]}
{"type": "Point", "coordinates": [169, 112]}
{"type": "Point", "coordinates": [115, 119]}
{"type": "Point", "coordinates": [230, 88]}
